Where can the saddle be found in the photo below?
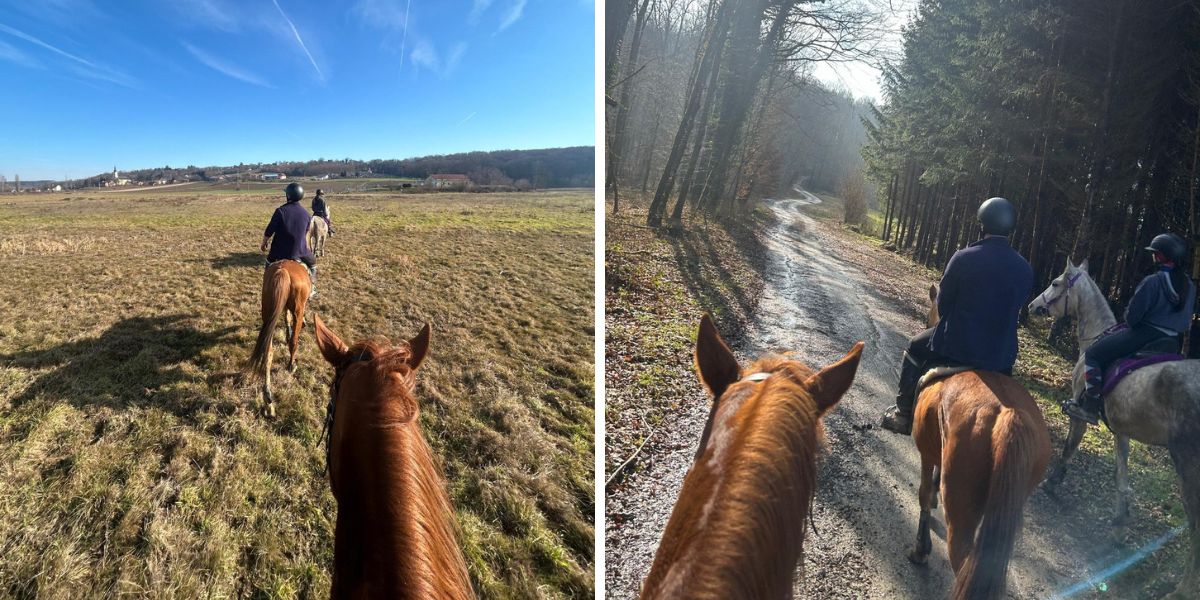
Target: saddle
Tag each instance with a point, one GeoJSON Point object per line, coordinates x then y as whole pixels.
{"type": "Point", "coordinates": [1159, 351]}
{"type": "Point", "coordinates": [941, 370]}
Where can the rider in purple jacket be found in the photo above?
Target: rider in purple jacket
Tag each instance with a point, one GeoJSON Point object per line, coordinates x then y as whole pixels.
{"type": "Point", "coordinates": [982, 292]}
{"type": "Point", "coordinates": [1161, 308]}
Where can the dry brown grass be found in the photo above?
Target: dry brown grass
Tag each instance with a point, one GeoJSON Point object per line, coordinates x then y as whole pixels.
{"type": "Point", "coordinates": [131, 458]}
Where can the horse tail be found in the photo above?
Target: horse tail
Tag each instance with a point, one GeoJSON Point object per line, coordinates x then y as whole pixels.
{"type": "Point", "coordinates": [278, 287]}
{"type": "Point", "coordinates": [982, 576]}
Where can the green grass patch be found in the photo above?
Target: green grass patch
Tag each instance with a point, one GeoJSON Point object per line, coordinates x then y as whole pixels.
{"type": "Point", "coordinates": [135, 462]}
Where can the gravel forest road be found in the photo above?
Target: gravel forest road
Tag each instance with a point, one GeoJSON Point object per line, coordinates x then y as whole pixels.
{"type": "Point", "coordinates": [865, 511]}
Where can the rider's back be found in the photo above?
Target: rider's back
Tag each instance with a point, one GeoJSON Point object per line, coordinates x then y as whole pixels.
{"type": "Point", "coordinates": [982, 292]}
{"type": "Point", "coordinates": [288, 225]}
{"type": "Point", "coordinates": [1155, 303]}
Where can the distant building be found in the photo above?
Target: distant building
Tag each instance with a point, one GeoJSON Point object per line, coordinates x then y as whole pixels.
{"type": "Point", "coordinates": [116, 179]}
{"type": "Point", "coordinates": [447, 180]}
{"type": "Point", "coordinates": [271, 176]}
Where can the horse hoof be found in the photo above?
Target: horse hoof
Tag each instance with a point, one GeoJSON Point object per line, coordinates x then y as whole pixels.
{"type": "Point", "coordinates": [1050, 487]}
{"type": "Point", "coordinates": [292, 368]}
{"type": "Point", "coordinates": [917, 558]}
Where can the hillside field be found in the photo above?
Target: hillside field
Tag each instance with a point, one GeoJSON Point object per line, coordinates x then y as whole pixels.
{"type": "Point", "coordinates": [133, 462]}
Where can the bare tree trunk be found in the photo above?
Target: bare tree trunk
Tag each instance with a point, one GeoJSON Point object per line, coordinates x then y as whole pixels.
{"type": "Point", "coordinates": [619, 138]}
{"type": "Point", "coordinates": [710, 50]}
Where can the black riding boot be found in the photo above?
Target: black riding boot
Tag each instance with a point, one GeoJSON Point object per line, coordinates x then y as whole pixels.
{"type": "Point", "coordinates": [1087, 406]}
{"type": "Point", "coordinates": [899, 418]}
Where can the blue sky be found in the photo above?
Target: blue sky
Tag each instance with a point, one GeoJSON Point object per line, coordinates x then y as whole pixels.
{"type": "Point", "coordinates": [91, 84]}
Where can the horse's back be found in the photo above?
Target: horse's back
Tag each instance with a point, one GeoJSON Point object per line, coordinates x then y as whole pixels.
{"type": "Point", "coordinates": [971, 403]}
{"type": "Point", "coordinates": [1150, 403]}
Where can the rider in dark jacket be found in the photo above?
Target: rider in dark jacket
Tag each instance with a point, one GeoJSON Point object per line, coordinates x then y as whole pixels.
{"type": "Point", "coordinates": [321, 209]}
{"type": "Point", "coordinates": [1161, 307]}
{"type": "Point", "coordinates": [289, 228]}
{"type": "Point", "coordinates": [982, 292]}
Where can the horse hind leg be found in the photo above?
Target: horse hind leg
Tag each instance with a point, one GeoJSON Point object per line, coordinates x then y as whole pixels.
{"type": "Point", "coordinates": [1185, 453]}
{"type": "Point", "coordinates": [1124, 491]}
{"type": "Point", "coordinates": [294, 334]}
{"type": "Point", "coordinates": [1070, 445]}
{"type": "Point", "coordinates": [268, 398]}
{"type": "Point", "coordinates": [927, 496]}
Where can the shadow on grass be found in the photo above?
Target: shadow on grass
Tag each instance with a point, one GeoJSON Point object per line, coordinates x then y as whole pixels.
{"type": "Point", "coordinates": [235, 260]}
{"type": "Point", "coordinates": [710, 281]}
{"type": "Point", "coordinates": [137, 362]}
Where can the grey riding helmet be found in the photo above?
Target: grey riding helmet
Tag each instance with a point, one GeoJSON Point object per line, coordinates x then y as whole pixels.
{"type": "Point", "coordinates": [1172, 246]}
{"type": "Point", "coordinates": [997, 216]}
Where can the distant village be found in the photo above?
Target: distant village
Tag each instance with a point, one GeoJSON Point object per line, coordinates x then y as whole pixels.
{"type": "Point", "coordinates": [436, 181]}
{"type": "Point", "coordinates": [481, 171]}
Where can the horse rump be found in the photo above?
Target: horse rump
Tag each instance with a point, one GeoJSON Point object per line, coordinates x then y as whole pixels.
{"type": "Point", "coordinates": [982, 576]}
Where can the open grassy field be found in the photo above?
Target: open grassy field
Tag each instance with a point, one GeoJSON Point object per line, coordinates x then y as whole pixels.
{"type": "Point", "coordinates": [132, 461]}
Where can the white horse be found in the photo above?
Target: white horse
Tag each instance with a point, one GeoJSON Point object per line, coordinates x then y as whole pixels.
{"type": "Point", "coordinates": [1158, 404]}
{"type": "Point", "coordinates": [318, 230]}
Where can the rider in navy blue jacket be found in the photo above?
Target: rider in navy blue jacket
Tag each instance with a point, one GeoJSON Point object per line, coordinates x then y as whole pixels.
{"type": "Point", "coordinates": [982, 292]}
{"type": "Point", "coordinates": [1161, 307]}
{"type": "Point", "coordinates": [287, 234]}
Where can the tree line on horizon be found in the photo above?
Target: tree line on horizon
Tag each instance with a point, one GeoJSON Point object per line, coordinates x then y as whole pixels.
{"type": "Point", "coordinates": [540, 168]}
{"type": "Point", "coordinates": [712, 103]}
{"type": "Point", "coordinates": [1084, 113]}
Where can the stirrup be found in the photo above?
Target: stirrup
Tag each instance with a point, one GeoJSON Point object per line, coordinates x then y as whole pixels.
{"type": "Point", "coordinates": [1076, 410]}
{"type": "Point", "coordinates": [896, 422]}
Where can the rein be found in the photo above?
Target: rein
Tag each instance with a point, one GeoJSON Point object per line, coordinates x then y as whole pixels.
{"type": "Point", "coordinates": [327, 430]}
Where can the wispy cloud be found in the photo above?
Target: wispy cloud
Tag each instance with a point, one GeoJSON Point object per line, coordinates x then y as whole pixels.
{"type": "Point", "coordinates": [11, 54]}
{"type": "Point", "coordinates": [477, 9]}
{"type": "Point", "coordinates": [226, 69]}
{"type": "Point", "coordinates": [467, 118]}
{"type": "Point", "coordinates": [299, 40]}
{"type": "Point", "coordinates": [92, 69]}
{"type": "Point", "coordinates": [383, 14]}
{"type": "Point", "coordinates": [426, 56]}
{"type": "Point", "coordinates": [512, 15]}
{"type": "Point", "coordinates": [212, 13]}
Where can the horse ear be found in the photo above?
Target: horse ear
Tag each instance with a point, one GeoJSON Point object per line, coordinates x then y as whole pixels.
{"type": "Point", "coordinates": [1070, 265]}
{"type": "Point", "coordinates": [1083, 266]}
{"type": "Point", "coordinates": [332, 347]}
{"type": "Point", "coordinates": [419, 346]}
{"type": "Point", "coordinates": [828, 386]}
{"type": "Point", "coordinates": [715, 362]}
{"type": "Point", "coordinates": [933, 292]}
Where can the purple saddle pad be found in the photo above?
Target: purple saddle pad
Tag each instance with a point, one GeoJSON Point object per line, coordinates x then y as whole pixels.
{"type": "Point", "coordinates": [1125, 366]}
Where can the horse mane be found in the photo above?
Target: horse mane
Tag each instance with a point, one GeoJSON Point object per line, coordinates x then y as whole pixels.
{"type": "Point", "coordinates": [737, 530]}
{"type": "Point", "coordinates": [414, 525]}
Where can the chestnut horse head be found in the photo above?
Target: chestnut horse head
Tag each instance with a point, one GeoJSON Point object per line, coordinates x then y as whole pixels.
{"type": "Point", "coordinates": [395, 535]}
{"type": "Point", "coordinates": [737, 529]}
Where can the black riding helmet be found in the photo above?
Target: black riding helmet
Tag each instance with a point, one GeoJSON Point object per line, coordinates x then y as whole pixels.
{"type": "Point", "coordinates": [997, 216]}
{"type": "Point", "coordinates": [1171, 245]}
{"type": "Point", "coordinates": [294, 192]}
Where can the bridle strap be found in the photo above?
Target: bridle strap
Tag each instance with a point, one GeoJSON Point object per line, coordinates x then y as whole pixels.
{"type": "Point", "coordinates": [1066, 294]}
{"type": "Point", "coordinates": [327, 429]}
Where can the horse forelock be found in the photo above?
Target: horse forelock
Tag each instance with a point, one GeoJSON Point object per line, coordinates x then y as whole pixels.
{"type": "Point", "coordinates": [738, 527]}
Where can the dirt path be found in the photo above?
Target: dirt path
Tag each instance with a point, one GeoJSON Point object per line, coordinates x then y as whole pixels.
{"type": "Point", "coordinates": [865, 510]}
